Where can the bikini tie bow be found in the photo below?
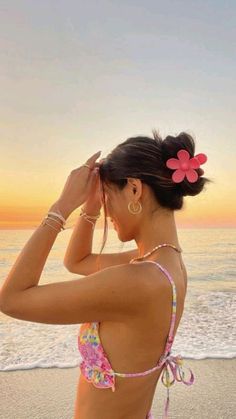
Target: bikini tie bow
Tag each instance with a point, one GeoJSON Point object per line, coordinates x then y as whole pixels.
{"type": "Point", "coordinates": [174, 365]}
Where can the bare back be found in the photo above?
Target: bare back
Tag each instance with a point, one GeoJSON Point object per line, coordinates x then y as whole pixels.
{"type": "Point", "coordinates": [136, 346]}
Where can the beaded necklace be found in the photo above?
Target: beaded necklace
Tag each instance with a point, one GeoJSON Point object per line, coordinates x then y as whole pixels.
{"type": "Point", "coordinates": [155, 248]}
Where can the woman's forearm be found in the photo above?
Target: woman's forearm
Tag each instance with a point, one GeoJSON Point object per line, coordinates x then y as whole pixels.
{"type": "Point", "coordinates": [81, 241]}
{"type": "Point", "coordinates": [27, 269]}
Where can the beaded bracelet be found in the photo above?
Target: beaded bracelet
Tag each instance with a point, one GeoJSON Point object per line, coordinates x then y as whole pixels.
{"type": "Point", "coordinates": [50, 218]}
{"type": "Point", "coordinates": [61, 218]}
{"type": "Point", "coordinates": [89, 217]}
{"type": "Point", "coordinates": [58, 214]}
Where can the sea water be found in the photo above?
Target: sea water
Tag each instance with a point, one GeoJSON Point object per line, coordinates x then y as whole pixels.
{"type": "Point", "coordinates": [208, 325]}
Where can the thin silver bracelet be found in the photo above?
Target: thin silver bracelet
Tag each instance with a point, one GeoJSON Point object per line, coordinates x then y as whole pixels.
{"type": "Point", "coordinates": [94, 217]}
{"type": "Point", "coordinates": [58, 222]}
{"type": "Point", "coordinates": [59, 216]}
{"type": "Point", "coordinates": [89, 217]}
{"type": "Point", "coordinates": [54, 228]}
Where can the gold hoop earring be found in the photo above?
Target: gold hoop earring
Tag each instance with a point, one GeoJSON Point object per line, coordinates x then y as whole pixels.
{"type": "Point", "coordinates": [134, 210]}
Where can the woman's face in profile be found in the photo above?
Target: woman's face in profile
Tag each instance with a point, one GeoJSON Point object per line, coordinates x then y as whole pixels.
{"type": "Point", "coordinates": [116, 202]}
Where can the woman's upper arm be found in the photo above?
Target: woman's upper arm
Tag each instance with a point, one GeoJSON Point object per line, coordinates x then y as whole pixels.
{"type": "Point", "coordinates": [95, 262]}
{"type": "Point", "coordinates": [113, 294]}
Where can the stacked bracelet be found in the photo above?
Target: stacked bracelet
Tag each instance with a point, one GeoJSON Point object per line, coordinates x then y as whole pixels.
{"type": "Point", "coordinates": [58, 215]}
{"type": "Point", "coordinates": [89, 217]}
{"type": "Point", "coordinates": [61, 220]}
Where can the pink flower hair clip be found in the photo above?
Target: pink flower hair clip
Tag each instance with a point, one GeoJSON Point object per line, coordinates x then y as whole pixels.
{"type": "Point", "coordinates": [185, 166]}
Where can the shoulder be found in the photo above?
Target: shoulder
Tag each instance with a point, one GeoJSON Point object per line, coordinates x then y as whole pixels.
{"type": "Point", "coordinates": [112, 294]}
{"type": "Point", "coordinates": [142, 277]}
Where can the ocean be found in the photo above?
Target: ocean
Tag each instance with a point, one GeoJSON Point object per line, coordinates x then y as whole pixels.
{"type": "Point", "coordinates": [208, 325]}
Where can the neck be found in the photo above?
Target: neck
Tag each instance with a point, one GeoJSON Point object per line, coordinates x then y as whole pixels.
{"type": "Point", "coordinates": [158, 229]}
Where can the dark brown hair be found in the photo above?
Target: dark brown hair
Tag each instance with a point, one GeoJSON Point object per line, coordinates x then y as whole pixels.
{"type": "Point", "coordinates": [145, 158]}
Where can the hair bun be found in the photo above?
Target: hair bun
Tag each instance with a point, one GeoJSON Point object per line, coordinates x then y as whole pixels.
{"type": "Point", "coordinates": [170, 147]}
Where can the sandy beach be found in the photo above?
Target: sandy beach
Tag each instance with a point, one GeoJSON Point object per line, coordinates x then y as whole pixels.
{"type": "Point", "coordinates": [50, 393]}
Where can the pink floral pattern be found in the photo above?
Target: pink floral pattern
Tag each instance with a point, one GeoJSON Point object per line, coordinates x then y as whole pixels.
{"type": "Point", "coordinates": [95, 365]}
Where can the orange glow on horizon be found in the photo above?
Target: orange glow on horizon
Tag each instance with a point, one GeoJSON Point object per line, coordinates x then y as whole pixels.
{"type": "Point", "coordinates": [30, 218]}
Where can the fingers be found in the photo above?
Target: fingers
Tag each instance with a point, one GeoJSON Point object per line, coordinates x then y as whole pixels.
{"type": "Point", "coordinates": [98, 164]}
{"type": "Point", "coordinates": [93, 158]}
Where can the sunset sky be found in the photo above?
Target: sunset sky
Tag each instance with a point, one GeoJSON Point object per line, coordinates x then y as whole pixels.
{"type": "Point", "coordinates": [80, 77]}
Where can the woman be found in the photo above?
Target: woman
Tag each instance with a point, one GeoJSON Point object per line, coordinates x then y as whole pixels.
{"type": "Point", "coordinates": [131, 304]}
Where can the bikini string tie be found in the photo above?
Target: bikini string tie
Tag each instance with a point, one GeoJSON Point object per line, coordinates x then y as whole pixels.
{"type": "Point", "coordinates": [174, 365]}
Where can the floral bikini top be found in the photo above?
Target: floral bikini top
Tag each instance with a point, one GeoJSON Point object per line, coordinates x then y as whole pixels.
{"type": "Point", "coordinates": [96, 368]}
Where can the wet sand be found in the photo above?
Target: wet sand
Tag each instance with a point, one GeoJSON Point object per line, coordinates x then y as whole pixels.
{"type": "Point", "coordinates": [50, 393]}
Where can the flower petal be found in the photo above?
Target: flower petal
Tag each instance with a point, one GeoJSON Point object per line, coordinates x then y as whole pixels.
{"type": "Point", "coordinates": [202, 158]}
{"type": "Point", "coordinates": [173, 163]}
{"type": "Point", "coordinates": [178, 176]}
{"type": "Point", "coordinates": [194, 163]}
{"type": "Point", "coordinates": [191, 175]}
{"type": "Point", "coordinates": [183, 155]}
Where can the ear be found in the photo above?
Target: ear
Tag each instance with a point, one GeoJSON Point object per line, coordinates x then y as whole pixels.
{"type": "Point", "coordinates": [135, 187]}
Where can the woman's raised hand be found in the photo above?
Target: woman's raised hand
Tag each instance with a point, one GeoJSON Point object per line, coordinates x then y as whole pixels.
{"type": "Point", "coordinates": [95, 199]}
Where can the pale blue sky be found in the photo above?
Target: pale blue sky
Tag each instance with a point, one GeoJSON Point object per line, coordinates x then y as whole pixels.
{"type": "Point", "coordinates": [78, 77]}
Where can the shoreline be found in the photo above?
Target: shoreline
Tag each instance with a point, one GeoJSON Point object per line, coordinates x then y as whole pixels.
{"type": "Point", "coordinates": [49, 393]}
